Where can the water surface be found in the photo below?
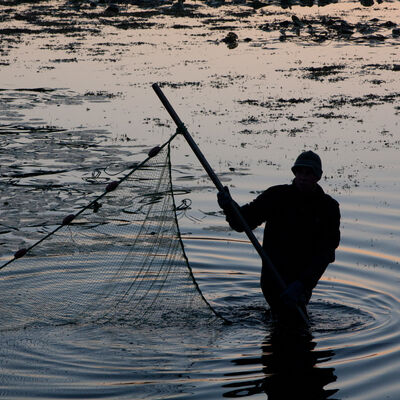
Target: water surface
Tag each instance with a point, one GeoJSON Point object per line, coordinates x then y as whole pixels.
{"type": "Point", "coordinates": [77, 109]}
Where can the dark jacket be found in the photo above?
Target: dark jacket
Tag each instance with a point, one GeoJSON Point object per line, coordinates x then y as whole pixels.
{"type": "Point", "coordinates": [301, 231]}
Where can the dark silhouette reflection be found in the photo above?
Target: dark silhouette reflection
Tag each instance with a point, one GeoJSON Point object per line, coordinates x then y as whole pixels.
{"type": "Point", "coordinates": [288, 362]}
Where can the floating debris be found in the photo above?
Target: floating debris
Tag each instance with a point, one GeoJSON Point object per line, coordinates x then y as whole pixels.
{"type": "Point", "coordinates": [367, 3]}
{"type": "Point", "coordinates": [256, 5]}
{"type": "Point", "coordinates": [112, 10]}
{"type": "Point", "coordinates": [177, 8]}
{"type": "Point", "coordinates": [296, 21]}
{"type": "Point", "coordinates": [318, 73]}
{"type": "Point", "coordinates": [231, 39]}
{"type": "Point", "coordinates": [388, 24]}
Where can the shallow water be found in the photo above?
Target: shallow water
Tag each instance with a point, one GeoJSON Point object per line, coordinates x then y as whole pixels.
{"type": "Point", "coordinates": [77, 108]}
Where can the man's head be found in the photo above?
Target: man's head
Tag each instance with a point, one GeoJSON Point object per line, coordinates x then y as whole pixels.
{"type": "Point", "coordinates": [307, 170]}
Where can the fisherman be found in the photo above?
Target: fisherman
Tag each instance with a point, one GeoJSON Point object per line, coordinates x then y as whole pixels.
{"type": "Point", "coordinates": [300, 235]}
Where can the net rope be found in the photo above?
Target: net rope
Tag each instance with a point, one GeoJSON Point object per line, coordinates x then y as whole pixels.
{"type": "Point", "coordinates": [120, 261]}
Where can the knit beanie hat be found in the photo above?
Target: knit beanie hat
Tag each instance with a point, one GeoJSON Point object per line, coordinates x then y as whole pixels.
{"type": "Point", "coordinates": [311, 160]}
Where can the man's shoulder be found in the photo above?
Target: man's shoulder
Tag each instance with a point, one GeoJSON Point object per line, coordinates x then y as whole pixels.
{"type": "Point", "coordinates": [330, 201]}
{"type": "Point", "coordinates": [333, 202]}
{"type": "Point", "coordinates": [275, 192]}
{"type": "Point", "coordinates": [280, 188]}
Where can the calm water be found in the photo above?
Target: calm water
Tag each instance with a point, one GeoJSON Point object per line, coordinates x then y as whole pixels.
{"type": "Point", "coordinates": [77, 107]}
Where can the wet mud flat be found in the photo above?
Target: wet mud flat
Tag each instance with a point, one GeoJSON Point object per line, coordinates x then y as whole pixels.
{"type": "Point", "coordinates": [62, 160]}
{"type": "Point", "coordinates": [294, 21]}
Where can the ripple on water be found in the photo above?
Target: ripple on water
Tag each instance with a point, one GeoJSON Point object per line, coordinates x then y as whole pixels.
{"type": "Point", "coordinates": [354, 334]}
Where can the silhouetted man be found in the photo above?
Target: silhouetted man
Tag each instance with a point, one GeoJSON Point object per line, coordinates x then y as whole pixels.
{"type": "Point", "coordinates": [300, 236]}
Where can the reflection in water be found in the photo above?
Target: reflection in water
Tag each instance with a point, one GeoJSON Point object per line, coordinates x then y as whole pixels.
{"type": "Point", "coordinates": [289, 365]}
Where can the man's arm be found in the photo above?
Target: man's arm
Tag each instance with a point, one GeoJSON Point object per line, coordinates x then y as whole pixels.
{"type": "Point", "coordinates": [326, 251]}
{"type": "Point", "coordinates": [253, 213]}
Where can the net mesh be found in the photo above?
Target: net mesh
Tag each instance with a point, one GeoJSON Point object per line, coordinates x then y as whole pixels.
{"type": "Point", "coordinates": [120, 260]}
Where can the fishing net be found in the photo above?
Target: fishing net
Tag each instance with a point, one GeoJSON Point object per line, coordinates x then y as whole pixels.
{"type": "Point", "coordinates": [120, 259]}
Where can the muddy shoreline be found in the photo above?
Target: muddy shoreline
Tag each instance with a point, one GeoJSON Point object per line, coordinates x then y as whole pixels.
{"type": "Point", "coordinates": [19, 19]}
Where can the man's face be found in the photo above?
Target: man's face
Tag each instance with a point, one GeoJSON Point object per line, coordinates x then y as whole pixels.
{"type": "Point", "coordinates": [305, 179]}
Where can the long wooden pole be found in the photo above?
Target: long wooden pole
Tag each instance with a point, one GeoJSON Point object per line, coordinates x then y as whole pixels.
{"type": "Point", "coordinates": [210, 172]}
